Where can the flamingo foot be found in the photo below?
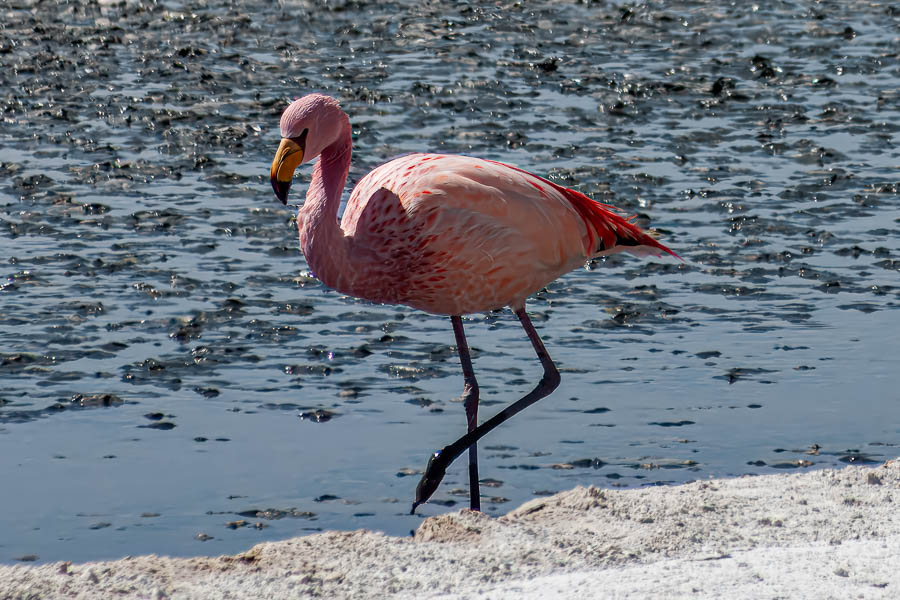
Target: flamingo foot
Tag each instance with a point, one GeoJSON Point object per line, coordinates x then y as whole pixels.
{"type": "Point", "coordinates": [431, 479]}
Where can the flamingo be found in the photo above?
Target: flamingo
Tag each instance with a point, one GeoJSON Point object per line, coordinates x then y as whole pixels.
{"type": "Point", "coordinates": [446, 234]}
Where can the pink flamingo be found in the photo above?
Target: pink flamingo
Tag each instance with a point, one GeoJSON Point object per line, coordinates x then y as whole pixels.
{"type": "Point", "coordinates": [449, 235]}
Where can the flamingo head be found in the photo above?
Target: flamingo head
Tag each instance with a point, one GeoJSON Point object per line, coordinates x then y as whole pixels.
{"type": "Point", "coordinates": [308, 126]}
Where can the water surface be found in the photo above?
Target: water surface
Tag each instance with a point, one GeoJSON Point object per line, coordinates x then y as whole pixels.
{"type": "Point", "coordinates": [174, 381]}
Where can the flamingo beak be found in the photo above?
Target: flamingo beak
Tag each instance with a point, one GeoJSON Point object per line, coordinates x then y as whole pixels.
{"type": "Point", "coordinates": [287, 158]}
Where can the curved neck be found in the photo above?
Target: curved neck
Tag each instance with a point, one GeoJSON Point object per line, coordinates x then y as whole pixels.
{"type": "Point", "coordinates": [321, 238]}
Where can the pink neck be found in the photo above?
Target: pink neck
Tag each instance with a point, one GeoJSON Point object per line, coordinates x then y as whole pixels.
{"type": "Point", "coordinates": [323, 242]}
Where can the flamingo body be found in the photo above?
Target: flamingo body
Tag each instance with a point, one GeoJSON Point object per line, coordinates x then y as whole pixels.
{"type": "Point", "coordinates": [455, 235]}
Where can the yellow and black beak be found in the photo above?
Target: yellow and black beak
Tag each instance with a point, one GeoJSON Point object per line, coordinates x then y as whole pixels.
{"type": "Point", "coordinates": [287, 158]}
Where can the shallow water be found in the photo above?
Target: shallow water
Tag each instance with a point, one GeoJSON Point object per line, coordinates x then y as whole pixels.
{"type": "Point", "coordinates": [173, 381]}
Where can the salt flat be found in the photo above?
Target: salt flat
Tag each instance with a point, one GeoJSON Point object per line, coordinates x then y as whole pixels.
{"type": "Point", "coordinates": [821, 534]}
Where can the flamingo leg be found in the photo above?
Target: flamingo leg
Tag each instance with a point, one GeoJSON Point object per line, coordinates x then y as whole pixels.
{"type": "Point", "coordinates": [440, 460]}
{"type": "Point", "coordinates": [470, 400]}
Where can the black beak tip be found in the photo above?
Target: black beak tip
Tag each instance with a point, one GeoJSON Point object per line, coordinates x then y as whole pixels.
{"type": "Point", "coordinates": [281, 189]}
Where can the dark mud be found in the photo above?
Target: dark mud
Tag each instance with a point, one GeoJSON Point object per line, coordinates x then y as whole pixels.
{"type": "Point", "coordinates": [170, 370]}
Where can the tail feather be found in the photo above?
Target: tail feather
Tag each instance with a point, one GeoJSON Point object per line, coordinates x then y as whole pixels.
{"type": "Point", "coordinates": [608, 232]}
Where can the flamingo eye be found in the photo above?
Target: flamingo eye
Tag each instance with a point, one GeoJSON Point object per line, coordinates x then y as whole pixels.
{"type": "Point", "coordinates": [300, 140]}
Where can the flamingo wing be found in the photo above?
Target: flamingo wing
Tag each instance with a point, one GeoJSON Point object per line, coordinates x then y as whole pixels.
{"type": "Point", "coordinates": [455, 234]}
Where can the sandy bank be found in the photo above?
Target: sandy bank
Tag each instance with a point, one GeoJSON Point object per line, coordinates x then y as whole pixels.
{"type": "Point", "coordinates": [822, 534]}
